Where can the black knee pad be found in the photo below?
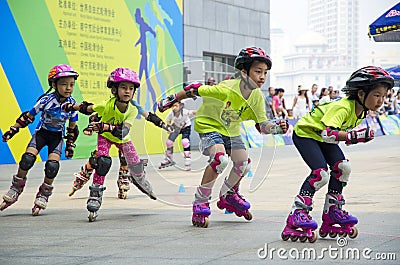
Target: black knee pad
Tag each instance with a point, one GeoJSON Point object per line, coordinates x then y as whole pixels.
{"type": "Point", "coordinates": [27, 161]}
{"type": "Point", "coordinates": [103, 165]}
{"type": "Point", "coordinates": [51, 168]}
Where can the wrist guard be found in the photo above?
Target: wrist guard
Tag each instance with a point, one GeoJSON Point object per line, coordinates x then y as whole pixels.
{"type": "Point", "coordinates": [72, 134]}
{"type": "Point", "coordinates": [153, 118]}
{"type": "Point", "coordinates": [120, 131]}
{"type": "Point", "coordinates": [359, 136]}
{"type": "Point", "coordinates": [330, 135]}
{"type": "Point", "coordinates": [167, 103]}
{"type": "Point", "coordinates": [192, 90]}
{"type": "Point", "coordinates": [83, 108]}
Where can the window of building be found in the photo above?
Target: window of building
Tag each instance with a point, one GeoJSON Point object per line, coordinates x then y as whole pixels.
{"type": "Point", "coordinates": [218, 66]}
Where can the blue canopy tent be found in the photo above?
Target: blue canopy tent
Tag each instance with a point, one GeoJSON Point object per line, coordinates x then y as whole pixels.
{"type": "Point", "coordinates": [387, 27]}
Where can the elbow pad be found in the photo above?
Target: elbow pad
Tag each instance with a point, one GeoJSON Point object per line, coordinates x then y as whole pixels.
{"type": "Point", "coordinates": [24, 120]}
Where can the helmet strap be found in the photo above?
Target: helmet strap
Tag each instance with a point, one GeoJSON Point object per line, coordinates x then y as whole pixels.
{"type": "Point", "coordinates": [365, 109]}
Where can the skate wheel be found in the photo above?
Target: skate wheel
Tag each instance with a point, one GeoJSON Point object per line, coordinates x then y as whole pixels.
{"type": "Point", "coordinates": [205, 224]}
{"type": "Point", "coordinates": [294, 238]}
{"type": "Point", "coordinates": [35, 211]}
{"type": "Point", "coordinates": [92, 217]}
{"type": "Point", "coordinates": [313, 238]}
{"type": "Point", "coordinates": [248, 216]}
{"type": "Point", "coordinates": [322, 234]}
{"type": "Point", "coordinates": [122, 196]}
{"type": "Point", "coordinates": [332, 234]}
{"type": "Point", "coordinates": [303, 239]}
{"type": "Point", "coordinates": [3, 206]}
{"type": "Point", "coordinates": [284, 237]}
{"type": "Point", "coordinates": [342, 234]}
{"type": "Point", "coordinates": [72, 192]}
{"type": "Point", "coordinates": [354, 232]}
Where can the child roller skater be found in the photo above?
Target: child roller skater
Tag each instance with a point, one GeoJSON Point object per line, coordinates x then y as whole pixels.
{"type": "Point", "coordinates": [316, 137]}
{"type": "Point", "coordinates": [117, 116]}
{"type": "Point", "coordinates": [218, 120]}
{"type": "Point", "coordinates": [49, 132]}
{"type": "Point", "coordinates": [179, 117]}
{"type": "Point", "coordinates": [83, 176]}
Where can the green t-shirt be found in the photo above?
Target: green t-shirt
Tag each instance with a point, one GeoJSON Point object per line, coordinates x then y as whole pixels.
{"type": "Point", "coordinates": [224, 108]}
{"type": "Point", "coordinates": [109, 113]}
{"type": "Point", "coordinates": [340, 114]}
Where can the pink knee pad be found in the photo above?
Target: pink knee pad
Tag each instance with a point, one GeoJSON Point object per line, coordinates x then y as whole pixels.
{"type": "Point", "coordinates": [185, 143]}
{"type": "Point", "coordinates": [220, 162]}
{"type": "Point", "coordinates": [319, 178]}
{"type": "Point", "coordinates": [342, 170]}
{"type": "Point", "coordinates": [242, 168]}
{"type": "Point", "coordinates": [169, 143]}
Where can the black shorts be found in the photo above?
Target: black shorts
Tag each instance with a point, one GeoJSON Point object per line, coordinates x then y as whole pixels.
{"type": "Point", "coordinates": [42, 138]}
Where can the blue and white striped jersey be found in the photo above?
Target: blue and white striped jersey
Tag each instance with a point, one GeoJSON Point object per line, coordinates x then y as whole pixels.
{"type": "Point", "coordinates": [53, 118]}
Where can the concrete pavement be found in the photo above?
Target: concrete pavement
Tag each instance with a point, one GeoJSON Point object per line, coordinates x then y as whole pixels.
{"type": "Point", "coordinates": [141, 231]}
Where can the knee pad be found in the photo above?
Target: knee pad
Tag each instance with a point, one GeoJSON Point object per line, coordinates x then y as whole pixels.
{"type": "Point", "coordinates": [169, 143]}
{"type": "Point", "coordinates": [51, 168]}
{"type": "Point", "coordinates": [93, 159]}
{"type": "Point", "coordinates": [138, 168]}
{"type": "Point", "coordinates": [185, 142]}
{"type": "Point", "coordinates": [219, 162]}
{"type": "Point", "coordinates": [319, 178]}
{"type": "Point", "coordinates": [103, 165]}
{"type": "Point", "coordinates": [242, 168]}
{"type": "Point", "coordinates": [341, 170]}
{"type": "Point", "coordinates": [27, 161]}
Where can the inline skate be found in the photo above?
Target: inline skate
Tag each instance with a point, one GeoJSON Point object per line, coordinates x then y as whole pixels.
{"type": "Point", "coordinates": [123, 184]}
{"type": "Point", "coordinates": [335, 220]}
{"type": "Point", "coordinates": [201, 211]}
{"type": "Point", "coordinates": [17, 187]}
{"type": "Point", "coordinates": [42, 197]}
{"type": "Point", "coordinates": [81, 178]}
{"type": "Point", "coordinates": [299, 224]}
{"type": "Point", "coordinates": [235, 203]}
{"type": "Point", "coordinates": [138, 178]}
{"type": "Point", "coordinates": [168, 160]}
{"type": "Point", "coordinates": [94, 201]}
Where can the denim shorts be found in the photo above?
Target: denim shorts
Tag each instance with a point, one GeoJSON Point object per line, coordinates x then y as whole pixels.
{"type": "Point", "coordinates": [212, 138]}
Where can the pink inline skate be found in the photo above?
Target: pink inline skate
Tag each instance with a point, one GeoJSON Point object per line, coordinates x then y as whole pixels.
{"type": "Point", "coordinates": [335, 220]}
{"type": "Point", "coordinates": [201, 211]}
{"type": "Point", "coordinates": [42, 197]}
{"type": "Point", "coordinates": [235, 203]}
{"type": "Point", "coordinates": [299, 224]}
{"type": "Point", "coordinates": [17, 186]}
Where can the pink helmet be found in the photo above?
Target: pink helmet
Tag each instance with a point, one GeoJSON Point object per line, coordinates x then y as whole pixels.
{"type": "Point", "coordinates": [61, 70]}
{"type": "Point", "coordinates": [123, 75]}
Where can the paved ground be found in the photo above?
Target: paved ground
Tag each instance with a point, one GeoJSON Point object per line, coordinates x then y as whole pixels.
{"type": "Point", "coordinates": [141, 231]}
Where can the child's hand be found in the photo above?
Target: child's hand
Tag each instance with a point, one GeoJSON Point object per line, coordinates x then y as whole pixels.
{"type": "Point", "coordinates": [360, 136]}
{"type": "Point", "coordinates": [69, 151]}
{"type": "Point", "coordinates": [9, 134]}
{"type": "Point", "coordinates": [167, 103]}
